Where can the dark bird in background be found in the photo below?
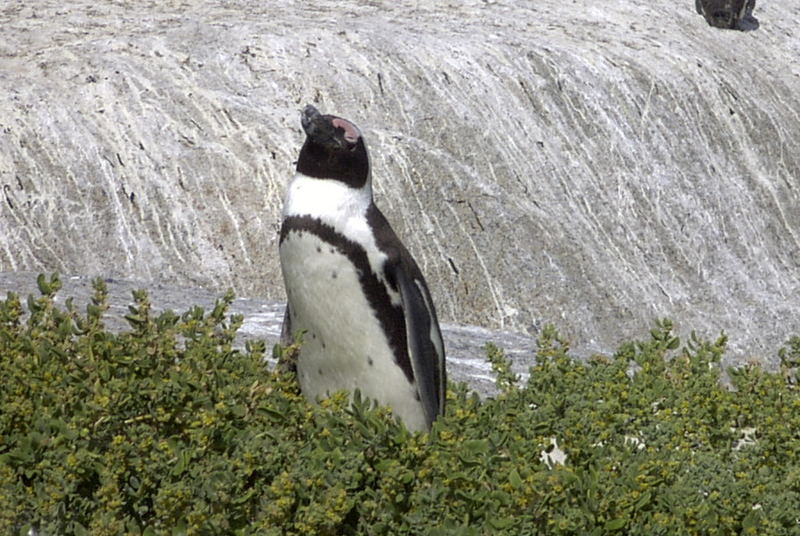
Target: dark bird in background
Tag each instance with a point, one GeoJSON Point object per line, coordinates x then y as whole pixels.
{"type": "Point", "coordinates": [725, 13]}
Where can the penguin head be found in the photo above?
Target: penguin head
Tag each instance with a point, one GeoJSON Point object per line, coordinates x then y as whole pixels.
{"type": "Point", "coordinates": [334, 149]}
{"type": "Point", "coordinates": [723, 13]}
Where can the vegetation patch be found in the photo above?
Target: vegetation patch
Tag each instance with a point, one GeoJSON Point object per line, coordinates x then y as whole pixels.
{"type": "Point", "coordinates": [168, 429]}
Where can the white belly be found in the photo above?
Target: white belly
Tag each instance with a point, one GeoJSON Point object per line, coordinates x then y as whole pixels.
{"type": "Point", "coordinates": [344, 346]}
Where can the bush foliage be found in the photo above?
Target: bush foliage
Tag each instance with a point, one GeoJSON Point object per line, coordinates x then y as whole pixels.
{"type": "Point", "coordinates": [168, 429]}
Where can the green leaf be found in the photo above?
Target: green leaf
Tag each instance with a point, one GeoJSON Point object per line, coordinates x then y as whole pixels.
{"type": "Point", "coordinates": [515, 480]}
{"type": "Point", "coordinates": [79, 530]}
{"type": "Point", "coordinates": [43, 284]}
{"type": "Point", "coordinates": [615, 524]}
{"type": "Point", "coordinates": [476, 446]}
{"type": "Point", "coordinates": [181, 529]}
{"type": "Point", "coordinates": [184, 460]}
{"type": "Point", "coordinates": [502, 523]}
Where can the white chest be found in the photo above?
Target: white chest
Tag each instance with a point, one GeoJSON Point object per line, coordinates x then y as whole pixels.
{"type": "Point", "coordinates": [344, 345]}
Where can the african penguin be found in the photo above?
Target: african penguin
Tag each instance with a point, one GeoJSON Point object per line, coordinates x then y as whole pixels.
{"type": "Point", "coordinates": [352, 286]}
{"type": "Point", "coordinates": [724, 13]}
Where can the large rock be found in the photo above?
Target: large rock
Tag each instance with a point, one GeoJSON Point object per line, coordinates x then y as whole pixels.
{"type": "Point", "coordinates": [595, 165]}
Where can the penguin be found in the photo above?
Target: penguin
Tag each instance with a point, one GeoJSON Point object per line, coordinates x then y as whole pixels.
{"type": "Point", "coordinates": [724, 13]}
{"type": "Point", "coordinates": [352, 287]}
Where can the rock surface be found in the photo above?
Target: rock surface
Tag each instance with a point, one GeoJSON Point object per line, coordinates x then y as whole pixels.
{"type": "Point", "coordinates": [593, 165]}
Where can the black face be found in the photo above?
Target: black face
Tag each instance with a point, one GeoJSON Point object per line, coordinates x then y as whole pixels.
{"type": "Point", "coordinates": [723, 13]}
{"type": "Point", "coordinates": [334, 149]}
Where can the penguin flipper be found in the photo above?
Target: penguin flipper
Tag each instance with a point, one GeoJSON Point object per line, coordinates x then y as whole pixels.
{"type": "Point", "coordinates": [425, 345]}
{"type": "Point", "coordinates": [286, 328]}
{"type": "Point", "coordinates": [287, 360]}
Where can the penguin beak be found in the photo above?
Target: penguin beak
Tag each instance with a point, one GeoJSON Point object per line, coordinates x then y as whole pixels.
{"type": "Point", "coordinates": [321, 129]}
{"type": "Point", "coordinates": [310, 118]}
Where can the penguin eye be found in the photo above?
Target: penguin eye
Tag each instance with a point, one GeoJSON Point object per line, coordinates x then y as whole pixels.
{"type": "Point", "coordinates": [344, 141]}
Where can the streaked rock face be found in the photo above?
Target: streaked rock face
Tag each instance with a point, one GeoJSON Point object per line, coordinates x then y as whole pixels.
{"type": "Point", "coordinates": [595, 166]}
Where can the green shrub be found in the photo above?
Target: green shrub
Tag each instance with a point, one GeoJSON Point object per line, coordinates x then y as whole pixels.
{"type": "Point", "coordinates": [167, 429]}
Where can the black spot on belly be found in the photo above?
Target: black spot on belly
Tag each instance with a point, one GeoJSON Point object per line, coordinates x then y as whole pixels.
{"type": "Point", "coordinates": [319, 249]}
{"type": "Point", "coordinates": [313, 335]}
{"type": "Point", "coordinates": [416, 395]}
{"type": "Point", "coordinates": [319, 371]}
{"type": "Point", "coordinates": [369, 361]}
{"type": "Point", "coordinates": [333, 250]}
{"type": "Point", "coordinates": [334, 275]}
{"type": "Point", "coordinates": [323, 345]}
